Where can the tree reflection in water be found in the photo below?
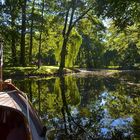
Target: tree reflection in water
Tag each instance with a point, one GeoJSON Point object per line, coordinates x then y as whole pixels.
{"type": "Point", "coordinates": [89, 107]}
{"type": "Point", "coordinates": [73, 129]}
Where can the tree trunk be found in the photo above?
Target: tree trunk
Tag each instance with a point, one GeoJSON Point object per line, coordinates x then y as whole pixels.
{"type": "Point", "coordinates": [66, 34]}
{"type": "Point", "coordinates": [65, 109]}
{"type": "Point", "coordinates": [63, 55]}
{"type": "Point", "coordinates": [13, 48]}
{"type": "Point", "coordinates": [39, 50]}
{"type": "Point", "coordinates": [40, 36]}
{"type": "Point", "coordinates": [31, 34]}
{"type": "Point", "coordinates": [23, 32]}
{"type": "Point", "coordinates": [13, 41]}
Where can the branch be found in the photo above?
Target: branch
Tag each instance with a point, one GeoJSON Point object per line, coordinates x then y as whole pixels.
{"type": "Point", "coordinates": [71, 17]}
{"type": "Point", "coordinates": [65, 25]}
{"type": "Point", "coordinates": [80, 17]}
{"type": "Point", "coordinates": [78, 125]}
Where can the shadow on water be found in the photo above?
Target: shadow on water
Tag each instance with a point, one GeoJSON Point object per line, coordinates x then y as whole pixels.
{"type": "Point", "coordinates": [88, 107]}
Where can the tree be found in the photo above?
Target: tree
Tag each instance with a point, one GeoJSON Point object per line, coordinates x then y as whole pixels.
{"type": "Point", "coordinates": [124, 45]}
{"type": "Point", "coordinates": [73, 46]}
{"type": "Point", "coordinates": [31, 31]}
{"type": "Point", "coordinates": [92, 31]}
{"type": "Point", "coordinates": [53, 39]}
{"type": "Point", "coordinates": [36, 25]}
{"type": "Point", "coordinates": [74, 11]}
{"type": "Point", "coordinates": [131, 56]}
{"type": "Point", "coordinates": [123, 12]}
{"type": "Point", "coordinates": [9, 25]}
{"type": "Point", "coordinates": [23, 33]}
{"type": "Point", "coordinates": [40, 35]}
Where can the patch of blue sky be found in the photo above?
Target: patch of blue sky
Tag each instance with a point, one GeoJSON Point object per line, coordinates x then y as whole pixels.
{"type": "Point", "coordinates": [105, 131]}
{"type": "Point", "coordinates": [120, 122]}
{"type": "Point", "coordinates": [106, 22]}
{"type": "Point", "coordinates": [2, 1]}
{"type": "Point", "coordinates": [74, 112]}
{"type": "Point", "coordinates": [84, 121]}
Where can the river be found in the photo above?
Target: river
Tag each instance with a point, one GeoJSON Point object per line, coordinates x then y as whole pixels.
{"type": "Point", "coordinates": [98, 105]}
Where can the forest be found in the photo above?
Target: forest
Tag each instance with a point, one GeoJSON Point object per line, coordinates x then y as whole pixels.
{"type": "Point", "coordinates": [71, 33]}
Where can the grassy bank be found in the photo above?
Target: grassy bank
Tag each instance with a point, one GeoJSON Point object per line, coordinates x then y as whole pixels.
{"type": "Point", "coordinates": [33, 71]}
{"type": "Point", "coordinates": [44, 71]}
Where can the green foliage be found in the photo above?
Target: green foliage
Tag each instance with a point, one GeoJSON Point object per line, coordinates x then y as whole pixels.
{"type": "Point", "coordinates": [124, 12]}
{"type": "Point", "coordinates": [124, 45]}
{"type": "Point", "coordinates": [72, 93]}
{"type": "Point", "coordinates": [54, 33]}
{"type": "Point", "coordinates": [53, 99]}
{"type": "Point", "coordinates": [74, 44]}
{"type": "Point", "coordinates": [91, 50]}
{"type": "Point", "coordinates": [89, 43]}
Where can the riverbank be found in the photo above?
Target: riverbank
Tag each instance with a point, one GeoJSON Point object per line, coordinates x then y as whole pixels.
{"type": "Point", "coordinates": [43, 71]}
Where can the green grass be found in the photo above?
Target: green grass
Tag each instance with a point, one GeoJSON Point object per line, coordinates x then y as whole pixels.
{"type": "Point", "coordinates": [26, 71]}
{"type": "Point", "coordinates": [113, 67]}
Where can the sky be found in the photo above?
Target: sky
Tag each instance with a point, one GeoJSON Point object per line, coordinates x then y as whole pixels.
{"type": "Point", "coordinates": [2, 1]}
{"type": "Point", "coordinates": [106, 22]}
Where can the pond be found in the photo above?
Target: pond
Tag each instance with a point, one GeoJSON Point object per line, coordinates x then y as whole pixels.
{"type": "Point", "coordinates": [88, 105]}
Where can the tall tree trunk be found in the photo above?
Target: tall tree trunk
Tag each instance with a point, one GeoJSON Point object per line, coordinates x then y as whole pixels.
{"type": "Point", "coordinates": [13, 41]}
{"type": "Point", "coordinates": [23, 33]}
{"type": "Point", "coordinates": [13, 48]}
{"type": "Point", "coordinates": [63, 55]}
{"type": "Point", "coordinates": [40, 36]}
{"type": "Point", "coordinates": [31, 33]}
{"type": "Point", "coordinates": [66, 33]}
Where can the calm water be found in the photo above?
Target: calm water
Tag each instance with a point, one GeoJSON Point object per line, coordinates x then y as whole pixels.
{"type": "Point", "coordinates": [84, 106]}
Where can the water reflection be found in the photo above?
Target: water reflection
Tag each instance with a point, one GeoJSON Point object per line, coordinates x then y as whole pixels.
{"type": "Point", "coordinates": [87, 107]}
